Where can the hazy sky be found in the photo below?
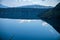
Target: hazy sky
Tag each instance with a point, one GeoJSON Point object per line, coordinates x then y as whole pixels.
{"type": "Point", "coordinates": [14, 3]}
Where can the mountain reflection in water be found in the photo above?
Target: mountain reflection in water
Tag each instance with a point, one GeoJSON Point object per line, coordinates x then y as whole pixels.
{"type": "Point", "coordinates": [22, 29]}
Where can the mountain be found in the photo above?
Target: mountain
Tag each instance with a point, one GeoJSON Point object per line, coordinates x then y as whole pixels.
{"type": "Point", "coordinates": [53, 17]}
{"type": "Point", "coordinates": [22, 12]}
{"type": "Point", "coordinates": [35, 6]}
{"type": "Point", "coordinates": [3, 6]}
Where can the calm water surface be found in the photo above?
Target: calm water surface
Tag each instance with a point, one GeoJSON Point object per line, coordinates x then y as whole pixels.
{"type": "Point", "coordinates": [18, 29]}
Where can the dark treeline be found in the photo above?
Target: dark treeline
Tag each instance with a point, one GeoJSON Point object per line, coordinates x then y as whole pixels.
{"type": "Point", "coordinates": [53, 17]}
{"type": "Point", "coordinates": [22, 13]}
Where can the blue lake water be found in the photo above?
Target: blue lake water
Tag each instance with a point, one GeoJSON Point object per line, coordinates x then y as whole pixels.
{"type": "Point", "coordinates": [22, 29]}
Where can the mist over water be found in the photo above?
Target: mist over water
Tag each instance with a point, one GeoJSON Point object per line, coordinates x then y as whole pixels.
{"type": "Point", "coordinates": [17, 29]}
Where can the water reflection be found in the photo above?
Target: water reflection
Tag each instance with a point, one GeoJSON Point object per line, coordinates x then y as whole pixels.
{"type": "Point", "coordinates": [17, 29]}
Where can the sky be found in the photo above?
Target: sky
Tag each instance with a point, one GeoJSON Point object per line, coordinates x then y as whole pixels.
{"type": "Point", "coordinates": [15, 3]}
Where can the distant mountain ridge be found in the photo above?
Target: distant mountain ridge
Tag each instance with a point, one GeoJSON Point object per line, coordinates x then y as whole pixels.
{"type": "Point", "coordinates": [35, 6]}
{"type": "Point", "coordinates": [24, 12]}
{"type": "Point", "coordinates": [26, 6]}
{"type": "Point", "coordinates": [3, 6]}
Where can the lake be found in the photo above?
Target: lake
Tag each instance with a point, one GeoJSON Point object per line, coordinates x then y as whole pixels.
{"type": "Point", "coordinates": [24, 29]}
